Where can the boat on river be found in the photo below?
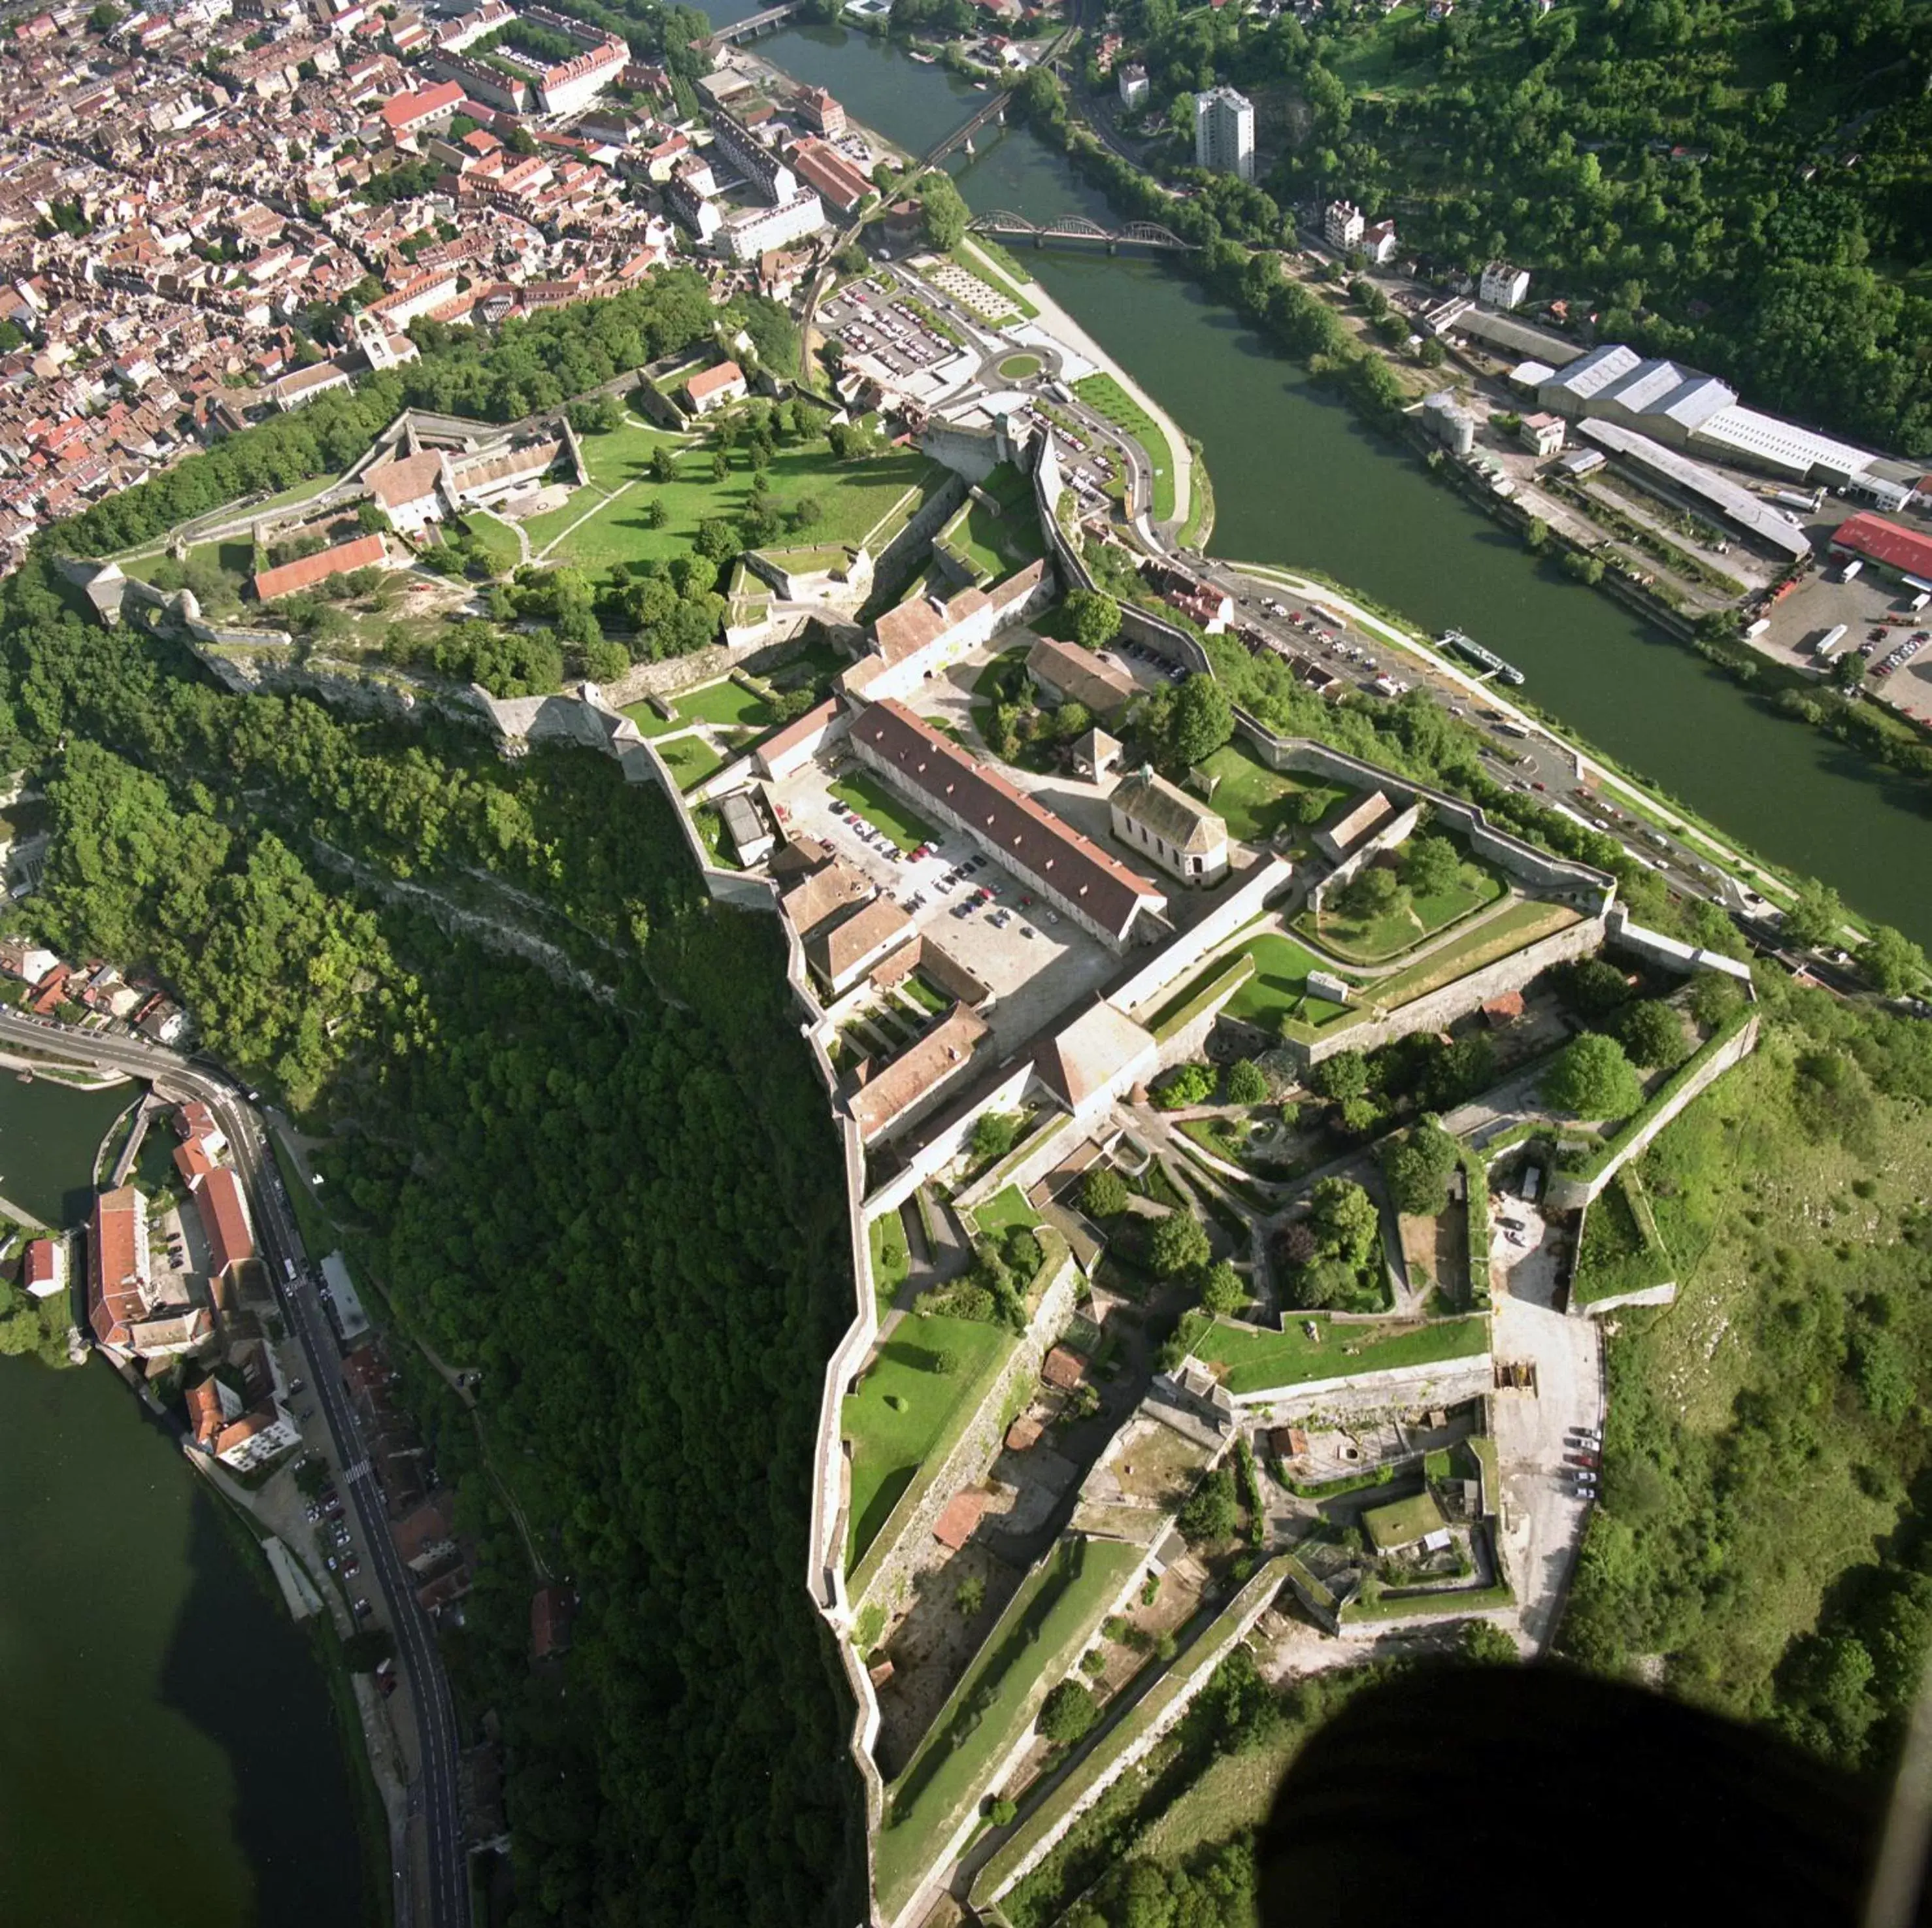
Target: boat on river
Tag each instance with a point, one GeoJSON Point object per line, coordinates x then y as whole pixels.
{"type": "Point", "coordinates": [1471, 651]}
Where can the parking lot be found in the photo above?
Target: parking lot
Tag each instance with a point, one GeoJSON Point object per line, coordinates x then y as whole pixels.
{"type": "Point", "coordinates": [886, 330]}
{"type": "Point", "coordinates": [1035, 961]}
{"type": "Point", "coordinates": [1879, 624]}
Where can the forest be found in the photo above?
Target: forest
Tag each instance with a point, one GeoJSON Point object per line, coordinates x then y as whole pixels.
{"type": "Point", "coordinates": [618, 1197]}
{"type": "Point", "coordinates": [1743, 184]}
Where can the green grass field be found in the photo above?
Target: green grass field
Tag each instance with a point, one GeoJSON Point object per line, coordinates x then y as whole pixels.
{"type": "Point", "coordinates": [892, 1257]}
{"type": "Point", "coordinates": [1485, 940]}
{"type": "Point", "coordinates": [1004, 1210]}
{"type": "Point", "coordinates": [727, 703]}
{"type": "Point", "coordinates": [496, 539]}
{"type": "Point", "coordinates": [1257, 1361]}
{"type": "Point", "coordinates": [1106, 397]}
{"type": "Point", "coordinates": [691, 760]}
{"type": "Point", "coordinates": [880, 806]}
{"type": "Point", "coordinates": [996, 545]}
{"type": "Point", "coordinates": [1278, 988]}
{"type": "Point", "coordinates": [235, 559]}
{"type": "Point", "coordinates": [889, 1444]}
{"type": "Point", "coordinates": [1258, 803]}
{"type": "Point", "coordinates": [649, 723]}
{"type": "Point", "coordinates": [1379, 939]}
{"type": "Point", "coordinates": [1037, 1639]}
{"type": "Point", "coordinates": [1018, 368]}
{"type": "Point", "coordinates": [854, 497]}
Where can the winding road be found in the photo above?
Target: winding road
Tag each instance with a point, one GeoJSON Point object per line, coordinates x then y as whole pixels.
{"type": "Point", "coordinates": [432, 1875]}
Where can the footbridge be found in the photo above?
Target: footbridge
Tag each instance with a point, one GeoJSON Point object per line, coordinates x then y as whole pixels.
{"type": "Point", "coordinates": [1076, 230]}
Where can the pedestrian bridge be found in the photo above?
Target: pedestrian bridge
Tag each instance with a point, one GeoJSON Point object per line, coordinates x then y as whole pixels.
{"type": "Point", "coordinates": [1072, 230]}
{"type": "Point", "coordinates": [754, 25]}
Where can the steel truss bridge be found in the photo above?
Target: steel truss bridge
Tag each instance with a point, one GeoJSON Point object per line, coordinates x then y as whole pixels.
{"type": "Point", "coordinates": [1071, 229]}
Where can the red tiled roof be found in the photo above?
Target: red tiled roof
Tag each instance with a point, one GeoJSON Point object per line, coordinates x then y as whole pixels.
{"type": "Point", "coordinates": [193, 1162]}
{"type": "Point", "coordinates": [366, 551]}
{"type": "Point", "coordinates": [1028, 837]}
{"type": "Point", "coordinates": [407, 110]}
{"type": "Point", "coordinates": [823, 166]}
{"type": "Point", "coordinates": [957, 1519]}
{"type": "Point", "coordinates": [224, 1220]}
{"type": "Point", "coordinates": [393, 483]}
{"type": "Point", "coordinates": [1867, 535]}
{"type": "Point", "coordinates": [552, 1609]}
{"type": "Point", "coordinates": [206, 1419]}
{"type": "Point", "coordinates": [116, 1283]}
{"type": "Point", "coordinates": [39, 1263]}
{"type": "Point", "coordinates": [1063, 1369]}
{"type": "Point", "coordinates": [709, 381]}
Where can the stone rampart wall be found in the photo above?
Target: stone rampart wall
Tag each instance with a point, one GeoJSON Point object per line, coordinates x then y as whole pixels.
{"type": "Point", "coordinates": [1445, 1382]}
{"type": "Point", "coordinates": [1569, 1191]}
{"type": "Point", "coordinates": [883, 1576]}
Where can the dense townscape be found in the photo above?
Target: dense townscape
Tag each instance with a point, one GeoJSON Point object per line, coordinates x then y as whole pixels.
{"type": "Point", "coordinates": [860, 1177]}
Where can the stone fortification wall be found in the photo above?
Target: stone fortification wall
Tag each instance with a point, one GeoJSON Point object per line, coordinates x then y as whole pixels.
{"type": "Point", "coordinates": [1445, 1382]}
{"type": "Point", "coordinates": [1569, 1191]}
{"type": "Point", "coordinates": [1561, 878]}
{"type": "Point", "coordinates": [1164, 638]}
{"type": "Point", "coordinates": [944, 1147]}
{"type": "Point", "coordinates": [1043, 1151]}
{"type": "Point", "coordinates": [1436, 1008]}
{"type": "Point", "coordinates": [973, 453]}
{"type": "Point", "coordinates": [884, 1575]}
{"type": "Point", "coordinates": [1162, 974]}
{"type": "Point", "coordinates": [1253, 1600]}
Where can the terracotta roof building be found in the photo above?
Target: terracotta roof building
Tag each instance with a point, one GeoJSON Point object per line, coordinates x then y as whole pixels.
{"type": "Point", "coordinates": [842, 953]}
{"type": "Point", "coordinates": [910, 1085]}
{"type": "Point", "coordinates": [224, 1220]}
{"type": "Point", "coordinates": [958, 1519]}
{"type": "Point", "coordinates": [119, 1278]}
{"type": "Point", "coordinates": [45, 1272]}
{"type": "Point", "coordinates": [1100, 893]}
{"type": "Point", "coordinates": [1068, 673]}
{"type": "Point", "coordinates": [366, 551]}
{"type": "Point", "coordinates": [712, 388]}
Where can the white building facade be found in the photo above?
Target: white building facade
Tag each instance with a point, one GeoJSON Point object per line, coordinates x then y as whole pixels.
{"type": "Point", "coordinates": [1224, 132]}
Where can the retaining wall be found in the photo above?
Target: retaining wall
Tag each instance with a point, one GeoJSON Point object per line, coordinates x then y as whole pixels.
{"type": "Point", "coordinates": [1570, 1191]}
{"type": "Point", "coordinates": [1249, 1605]}
{"type": "Point", "coordinates": [1174, 960]}
{"type": "Point", "coordinates": [1547, 875]}
{"type": "Point", "coordinates": [942, 1148]}
{"type": "Point", "coordinates": [1445, 1382]}
{"type": "Point", "coordinates": [1435, 1009]}
{"type": "Point", "coordinates": [882, 1575]}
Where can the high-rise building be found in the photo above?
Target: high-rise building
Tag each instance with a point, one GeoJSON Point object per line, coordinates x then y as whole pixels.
{"type": "Point", "coordinates": [1224, 132]}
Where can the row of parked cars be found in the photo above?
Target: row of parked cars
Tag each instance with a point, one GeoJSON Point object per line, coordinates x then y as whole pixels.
{"type": "Point", "coordinates": [1903, 654]}
{"type": "Point", "coordinates": [1582, 1461]}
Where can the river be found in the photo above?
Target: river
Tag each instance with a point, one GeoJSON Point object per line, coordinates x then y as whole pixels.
{"type": "Point", "coordinates": [1300, 481]}
{"type": "Point", "coordinates": [167, 1754]}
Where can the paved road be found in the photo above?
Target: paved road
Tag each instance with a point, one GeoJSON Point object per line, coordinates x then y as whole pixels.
{"type": "Point", "coordinates": [446, 1903]}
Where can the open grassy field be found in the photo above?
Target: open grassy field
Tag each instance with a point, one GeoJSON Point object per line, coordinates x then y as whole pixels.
{"type": "Point", "coordinates": [1278, 988]}
{"type": "Point", "coordinates": [892, 1258]}
{"type": "Point", "coordinates": [853, 497]}
{"type": "Point", "coordinates": [235, 560]}
{"type": "Point", "coordinates": [904, 1407]}
{"type": "Point", "coordinates": [1258, 803]}
{"type": "Point", "coordinates": [726, 702]}
{"type": "Point", "coordinates": [1106, 397]}
{"type": "Point", "coordinates": [1256, 1361]}
{"type": "Point", "coordinates": [1037, 1639]}
{"type": "Point", "coordinates": [881, 807]}
{"type": "Point", "coordinates": [996, 545]}
{"type": "Point", "coordinates": [496, 539]}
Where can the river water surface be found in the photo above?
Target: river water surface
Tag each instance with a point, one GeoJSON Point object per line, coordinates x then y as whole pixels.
{"type": "Point", "coordinates": [1300, 481]}
{"type": "Point", "coordinates": [167, 1758]}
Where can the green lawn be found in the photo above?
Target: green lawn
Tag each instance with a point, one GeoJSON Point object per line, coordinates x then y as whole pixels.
{"type": "Point", "coordinates": [1278, 988]}
{"type": "Point", "coordinates": [1257, 1361]}
{"type": "Point", "coordinates": [495, 538]}
{"type": "Point", "coordinates": [1485, 940]}
{"type": "Point", "coordinates": [996, 545]}
{"type": "Point", "coordinates": [727, 703]}
{"type": "Point", "coordinates": [853, 496]}
{"type": "Point", "coordinates": [1018, 368]}
{"type": "Point", "coordinates": [1046, 1623]}
{"type": "Point", "coordinates": [1401, 1522]}
{"type": "Point", "coordinates": [1378, 939]}
{"type": "Point", "coordinates": [880, 806]}
{"type": "Point", "coordinates": [889, 1444]}
{"type": "Point", "coordinates": [624, 455]}
{"type": "Point", "coordinates": [691, 760]}
{"type": "Point", "coordinates": [1258, 803]}
{"type": "Point", "coordinates": [649, 723]}
{"type": "Point", "coordinates": [892, 1257]}
{"type": "Point", "coordinates": [1106, 397]}
{"type": "Point", "coordinates": [1004, 1211]}
{"type": "Point", "coordinates": [235, 559]}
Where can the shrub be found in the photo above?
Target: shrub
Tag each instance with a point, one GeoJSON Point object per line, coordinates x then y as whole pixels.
{"type": "Point", "coordinates": [1592, 1077]}
{"type": "Point", "coordinates": [1067, 1712]}
{"type": "Point", "coordinates": [1652, 1032]}
{"type": "Point", "coordinates": [1211, 1513]}
{"type": "Point", "coordinates": [1185, 1085]}
{"type": "Point", "coordinates": [1222, 1290]}
{"type": "Point", "coordinates": [1103, 1193]}
{"type": "Point", "coordinates": [1179, 1245]}
{"type": "Point", "coordinates": [1246, 1084]}
{"type": "Point", "coordinates": [994, 1135]}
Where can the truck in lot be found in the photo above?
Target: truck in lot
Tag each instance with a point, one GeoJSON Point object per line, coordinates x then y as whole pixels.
{"type": "Point", "coordinates": [1828, 642]}
{"type": "Point", "coordinates": [1850, 573]}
